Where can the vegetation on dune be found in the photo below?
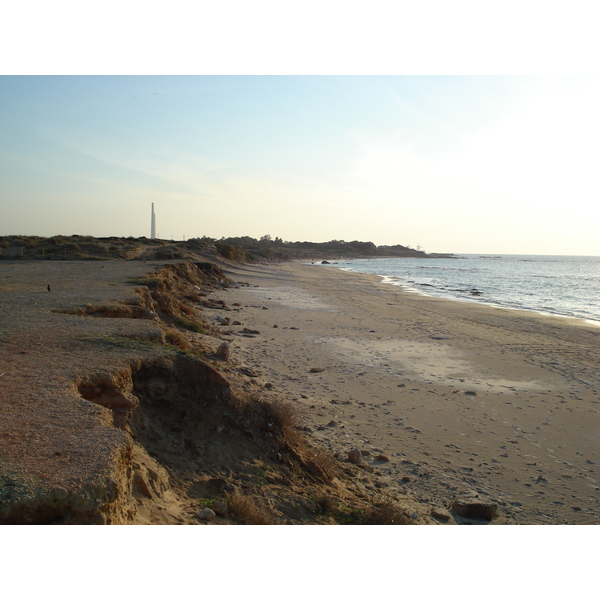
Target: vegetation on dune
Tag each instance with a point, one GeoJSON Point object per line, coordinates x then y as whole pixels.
{"type": "Point", "coordinates": [276, 249]}
{"type": "Point", "coordinates": [200, 429]}
{"type": "Point", "coordinates": [234, 249]}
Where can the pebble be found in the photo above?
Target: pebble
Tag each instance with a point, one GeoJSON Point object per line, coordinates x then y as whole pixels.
{"type": "Point", "coordinates": [441, 514]}
{"type": "Point", "coordinates": [475, 509]}
{"type": "Point", "coordinates": [224, 351]}
{"type": "Point", "coordinates": [355, 457]}
{"type": "Point", "coordinates": [206, 514]}
{"type": "Point", "coordinates": [220, 508]}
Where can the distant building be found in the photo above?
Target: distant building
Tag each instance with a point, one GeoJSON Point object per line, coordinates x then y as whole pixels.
{"type": "Point", "coordinates": [152, 224]}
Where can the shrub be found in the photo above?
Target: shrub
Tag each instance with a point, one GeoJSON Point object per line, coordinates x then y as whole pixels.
{"type": "Point", "coordinates": [326, 504]}
{"type": "Point", "coordinates": [284, 414]}
{"type": "Point", "coordinates": [247, 511]}
{"type": "Point", "coordinates": [385, 513]}
{"type": "Point", "coordinates": [320, 463]}
{"type": "Point", "coordinates": [190, 324]}
{"type": "Point", "coordinates": [176, 338]}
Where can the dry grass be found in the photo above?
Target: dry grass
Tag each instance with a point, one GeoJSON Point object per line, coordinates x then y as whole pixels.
{"type": "Point", "coordinates": [191, 324]}
{"type": "Point", "coordinates": [385, 513]}
{"type": "Point", "coordinates": [320, 463]}
{"type": "Point", "coordinates": [193, 297]}
{"type": "Point", "coordinates": [327, 504]}
{"type": "Point", "coordinates": [246, 511]}
{"type": "Point", "coordinates": [286, 415]}
{"type": "Point", "coordinates": [174, 337]}
{"type": "Point", "coordinates": [288, 419]}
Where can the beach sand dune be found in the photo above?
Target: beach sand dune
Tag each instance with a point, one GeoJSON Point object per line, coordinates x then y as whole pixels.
{"type": "Point", "coordinates": [449, 400]}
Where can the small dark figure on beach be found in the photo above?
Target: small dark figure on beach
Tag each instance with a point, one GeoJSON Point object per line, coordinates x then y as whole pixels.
{"type": "Point", "coordinates": [49, 288]}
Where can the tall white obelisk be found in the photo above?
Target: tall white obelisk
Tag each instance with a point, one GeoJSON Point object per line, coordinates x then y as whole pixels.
{"type": "Point", "coordinates": [153, 224]}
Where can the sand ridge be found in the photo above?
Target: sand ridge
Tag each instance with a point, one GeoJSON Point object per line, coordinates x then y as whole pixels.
{"type": "Point", "coordinates": [110, 414]}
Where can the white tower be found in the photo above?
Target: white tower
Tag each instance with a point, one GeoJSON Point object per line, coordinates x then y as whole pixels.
{"type": "Point", "coordinates": [153, 224]}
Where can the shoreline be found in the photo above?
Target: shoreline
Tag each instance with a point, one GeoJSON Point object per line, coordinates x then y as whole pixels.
{"type": "Point", "coordinates": [393, 280]}
{"type": "Point", "coordinates": [493, 304]}
{"type": "Point", "coordinates": [460, 397]}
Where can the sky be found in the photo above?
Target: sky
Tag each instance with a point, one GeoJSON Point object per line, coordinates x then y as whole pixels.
{"type": "Point", "coordinates": [454, 127]}
{"type": "Point", "coordinates": [462, 126]}
{"type": "Point", "coordinates": [465, 164]}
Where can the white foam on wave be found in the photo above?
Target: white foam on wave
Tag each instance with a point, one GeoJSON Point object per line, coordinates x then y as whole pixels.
{"type": "Point", "coordinates": [394, 280]}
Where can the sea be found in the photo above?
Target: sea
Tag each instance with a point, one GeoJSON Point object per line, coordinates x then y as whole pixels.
{"type": "Point", "coordinates": [567, 286]}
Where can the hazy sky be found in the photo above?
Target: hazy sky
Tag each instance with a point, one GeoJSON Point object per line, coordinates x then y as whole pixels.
{"type": "Point", "coordinates": [468, 164]}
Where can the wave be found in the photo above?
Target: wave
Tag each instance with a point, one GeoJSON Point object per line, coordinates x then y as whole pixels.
{"type": "Point", "coordinates": [525, 284]}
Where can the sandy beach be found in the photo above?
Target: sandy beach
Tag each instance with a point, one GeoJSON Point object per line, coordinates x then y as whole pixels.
{"type": "Point", "coordinates": [447, 399]}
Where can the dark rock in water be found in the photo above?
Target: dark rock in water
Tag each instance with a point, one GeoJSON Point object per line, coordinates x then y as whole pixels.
{"type": "Point", "coordinates": [476, 293]}
{"type": "Point", "coordinates": [475, 510]}
{"type": "Point", "coordinates": [325, 262]}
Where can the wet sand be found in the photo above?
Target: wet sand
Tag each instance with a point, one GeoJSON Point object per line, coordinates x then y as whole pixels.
{"type": "Point", "coordinates": [449, 399]}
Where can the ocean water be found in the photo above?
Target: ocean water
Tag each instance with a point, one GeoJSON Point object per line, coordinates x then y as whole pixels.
{"type": "Point", "coordinates": [559, 285]}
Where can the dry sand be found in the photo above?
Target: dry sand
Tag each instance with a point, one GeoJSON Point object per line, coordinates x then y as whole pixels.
{"type": "Point", "coordinates": [463, 399]}
{"type": "Point", "coordinates": [446, 399]}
